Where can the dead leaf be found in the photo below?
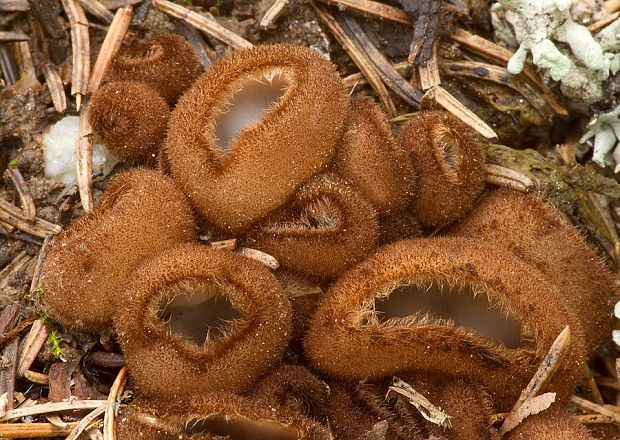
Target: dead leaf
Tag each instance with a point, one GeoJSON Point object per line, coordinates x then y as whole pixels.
{"type": "Point", "coordinates": [530, 406]}
{"type": "Point", "coordinates": [429, 411]}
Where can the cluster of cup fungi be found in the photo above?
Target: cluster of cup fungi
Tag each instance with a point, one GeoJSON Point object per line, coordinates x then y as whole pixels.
{"type": "Point", "coordinates": [423, 272]}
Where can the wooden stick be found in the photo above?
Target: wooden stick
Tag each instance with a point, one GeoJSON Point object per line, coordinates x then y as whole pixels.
{"type": "Point", "coordinates": [374, 9]}
{"type": "Point", "coordinates": [35, 340]}
{"type": "Point", "coordinates": [111, 45]}
{"type": "Point", "coordinates": [84, 162]}
{"type": "Point", "coordinates": [85, 422]}
{"type": "Point", "coordinates": [586, 405]}
{"type": "Point", "coordinates": [38, 269]}
{"type": "Point", "coordinates": [594, 419]}
{"type": "Point", "coordinates": [273, 13]}
{"type": "Point", "coordinates": [547, 369]}
{"type": "Point", "coordinates": [16, 217]}
{"type": "Point", "coordinates": [16, 265]}
{"type": "Point", "coordinates": [80, 45]}
{"type": "Point", "coordinates": [25, 60]}
{"type": "Point", "coordinates": [206, 25]}
{"type": "Point", "coordinates": [439, 95]}
{"type": "Point", "coordinates": [10, 36]}
{"type": "Point", "coordinates": [55, 86]}
{"type": "Point", "coordinates": [53, 407]}
{"type": "Point", "coordinates": [96, 9]}
{"type": "Point", "coordinates": [109, 428]}
{"type": "Point", "coordinates": [34, 430]}
{"type": "Point", "coordinates": [429, 74]}
{"type": "Point", "coordinates": [505, 177]}
{"type": "Point", "coordinates": [14, 6]}
{"type": "Point", "coordinates": [30, 210]}
{"type": "Point", "coordinates": [358, 56]}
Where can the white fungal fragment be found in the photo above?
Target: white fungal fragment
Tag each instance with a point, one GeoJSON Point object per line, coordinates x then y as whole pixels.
{"type": "Point", "coordinates": [564, 49]}
{"type": "Point", "coordinates": [605, 129]}
{"type": "Point", "coordinates": [59, 152]}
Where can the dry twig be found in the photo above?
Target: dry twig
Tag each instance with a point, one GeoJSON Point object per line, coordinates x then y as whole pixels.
{"type": "Point", "coordinates": [109, 429]}
{"type": "Point", "coordinates": [374, 9]}
{"type": "Point", "coordinates": [10, 36]}
{"type": "Point", "coordinates": [35, 340]}
{"type": "Point", "coordinates": [273, 13]}
{"type": "Point", "coordinates": [96, 9]}
{"type": "Point", "coordinates": [80, 45]}
{"type": "Point", "coordinates": [34, 430]}
{"type": "Point", "coordinates": [505, 177]}
{"type": "Point", "coordinates": [547, 369]}
{"type": "Point", "coordinates": [588, 406]}
{"type": "Point", "coordinates": [30, 211]}
{"type": "Point", "coordinates": [206, 25]}
{"type": "Point", "coordinates": [51, 408]}
{"type": "Point", "coordinates": [429, 411]}
{"type": "Point", "coordinates": [111, 45]}
{"type": "Point", "coordinates": [55, 86]}
{"type": "Point", "coordinates": [84, 162]}
{"type": "Point", "coordinates": [38, 269]}
{"type": "Point", "coordinates": [14, 6]}
{"type": "Point", "coordinates": [16, 217]}
{"type": "Point", "coordinates": [35, 377]}
{"type": "Point", "coordinates": [26, 65]}
{"type": "Point", "coordinates": [85, 422]}
{"type": "Point", "coordinates": [260, 256]}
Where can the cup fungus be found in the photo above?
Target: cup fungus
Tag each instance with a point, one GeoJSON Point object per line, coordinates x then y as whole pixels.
{"type": "Point", "coordinates": [167, 63]}
{"type": "Point", "coordinates": [131, 118]}
{"type": "Point", "coordinates": [214, 320]}
{"type": "Point", "coordinates": [370, 157]}
{"type": "Point", "coordinates": [552, 424]}
{"type": "Point", "coordinates": [214, 416]}
{"type": "Point", "coordinates": [536, 233]}
{"type": "Point", "coordinates": [450, 164]}
{"type": "Point", "coordinates": [253, 129]}
{"type": "Point", "coordinates": [141, 212]}
{"type": "Point", "coordinates": [444, 306]}
{"type": "Point", "coordinates": [326, 229]}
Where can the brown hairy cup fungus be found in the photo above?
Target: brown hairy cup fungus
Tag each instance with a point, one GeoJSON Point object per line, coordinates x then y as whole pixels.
{"type": "Point", "coordinates": [214, 416]}
{"type": "Point", "coordinates": [253, 129]}
{"type": "Point", "coordinates": [141, 212]}
{"type": "Point", "coordinates": [444, 306]}
{"type": "Point", "coordinates": [552, 424]}
{"type": "Point", "coordinates": [131, 118]}
{"type": "Point", "coordinates": [326, 229]}
{"type": "Point", "coordinates": [370, 157]}
{"type": "Point", "coordinates": [167, 63]}
{"type": "Point", "coordinates": [536, 233]}
{"type": "Point", "coordinates": [450, 164]}
{"type": "Point", "coordinates": [214, 320]}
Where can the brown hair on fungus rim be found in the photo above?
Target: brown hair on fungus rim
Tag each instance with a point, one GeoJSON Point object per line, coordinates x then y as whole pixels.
{"type": "Point", "coordinates": [251, 342]}
{"type": "Point", "coordinates": [449, 160]}
{"type": "Point", "coordinates": [214, 416]}
{"type": "Point", "coordinates": [536, 233]}
{"type": "Point", "coordinates": [131, 118]}
{"type": "Point", "coordinates": [369, 156]}
{"type": "Point", "coordinates": [552, 424]}
{"type": "Point", "coordinates": [273, 146]}
{"type": "Point", "coordinates": [422, 340]}
{"type": "Point", "coordinates": [326, 229]}
{"type": "Point", "coordinates": [141, 212]}
{"type": "Point", "coordinates": [398, 226]}
{"type": "Point", "coordinates": [166, 62]}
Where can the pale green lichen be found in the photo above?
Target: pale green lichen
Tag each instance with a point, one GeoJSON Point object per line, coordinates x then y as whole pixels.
{"type": "Point", "coordinates": [564, 49]}
{"type": "Point", "coordinates": [605, 129]}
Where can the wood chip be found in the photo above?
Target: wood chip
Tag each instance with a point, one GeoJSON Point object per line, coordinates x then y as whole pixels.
{"type": "Point", "coordinates": [55, 86]}
{"type": "Point", "coordinates": [80, 45]}
{"type": "Point", "coordinates": [260, 256]}
{"type": "Point", "coordinates": [10, 36]}
{"type": "Point", "coordinates": [507, 178]}
{"type": "Point", "coordinates": [34, 341]}
{"type": "Point", "coordinates": [429, 411]}
{"type": "Point", "coordinates": [359, 57]}
{"type": "Point", "coordinates": [85, 422]}
{"type": "Point", "coordinates": [440, 96]}
{"type": "Point", "coordinates": [14, 6]}
{"type": "Point", "coordinates": [529, 407]}
{"type": "Point", "coordinates": [34, 430]}
{"type": "Point", "coordinates": [97, 9]}
{"type": "Point", "coordinates": [206, 25]}
{"type": "Point", "coordinates": [30, 211]}
{"type": "Point", "coordinates": [374, 9]}
{"type": "Point", "coordinates": [53, 407]}
{"type": "Point", "coordinates": [110, 46]}
{"type": "Point", "coordinates": [273, 13]}
{"type": "Point", "coordinates": [109, 424]}
{"type": "Point", "coordinates": [547, 369]}
{"type": "Point", "coordinates": [84, 161]}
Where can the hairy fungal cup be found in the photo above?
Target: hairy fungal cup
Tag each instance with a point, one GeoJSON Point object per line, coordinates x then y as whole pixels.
{"type": "Point", "coordinates": [167, 63]}
{"type": "Point", "coordinates": [214, 416]}
{"type": "Point", "coordinates": [214, 320]}
{"type": "Point", "coordinates": [253, 129]}
{"type": "Point", "coordinates": [536, 233]}
{"type": "Point", "coordinates": [326, 229]}
{"type": "Point", "coordinates": [444, 306]}
{"type": "Point", "coordinates": [132, 119]}
{"type": "Point", "coordinates": [450, 164]}
{"type": "Point", "coordinates": [370, 157]}
{"type": "Point", "coordinates": [141, 212]}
